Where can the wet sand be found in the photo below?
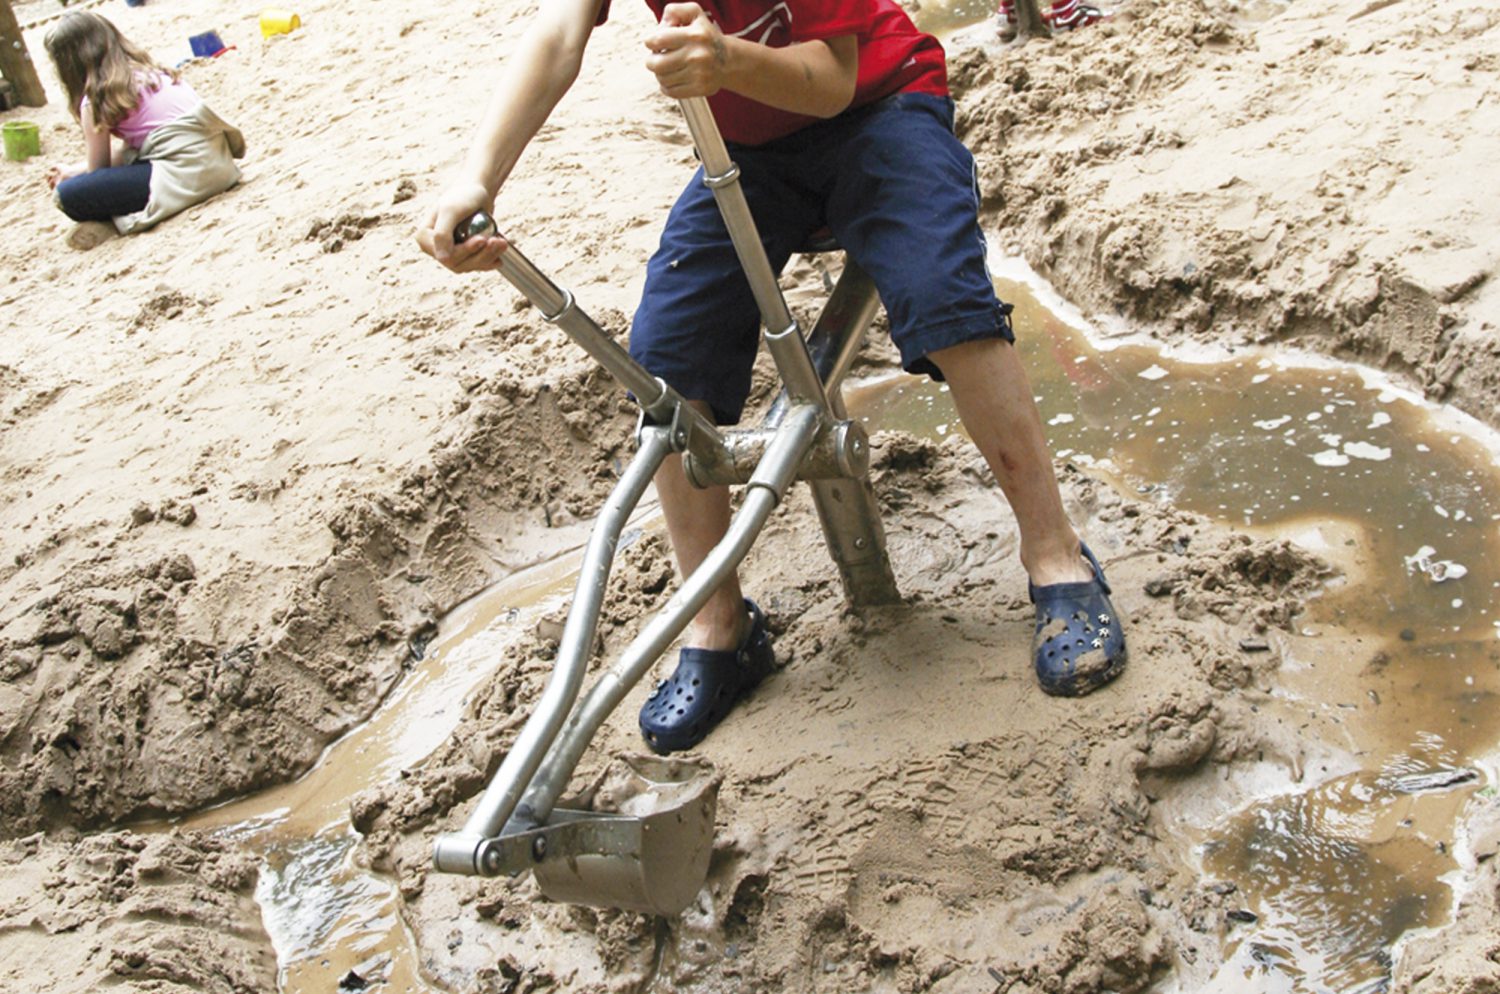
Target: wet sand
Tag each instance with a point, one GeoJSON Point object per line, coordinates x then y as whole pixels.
{"type": "Point", "coordinates": [252, 457]}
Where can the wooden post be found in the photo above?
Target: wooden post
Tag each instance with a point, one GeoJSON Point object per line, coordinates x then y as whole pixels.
{"type": "Point", "coordinates": [1029, 23]}
{"type": "Point", "coordinates": [15, 61]}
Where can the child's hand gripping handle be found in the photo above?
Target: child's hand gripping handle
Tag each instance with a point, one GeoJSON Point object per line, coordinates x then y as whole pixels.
{"type": "Point", "coordinates": [516, 268]}
{"type": "Point", "coordinates": [558, 308]}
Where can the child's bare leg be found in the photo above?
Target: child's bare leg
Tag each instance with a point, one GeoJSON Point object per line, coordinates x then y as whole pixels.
{"type": "Point", "coordinates": [696, 521]}
{"type": "Point", "coordinates": [727, 648]}
{"type": "Point", "coordinates": [993, 397]}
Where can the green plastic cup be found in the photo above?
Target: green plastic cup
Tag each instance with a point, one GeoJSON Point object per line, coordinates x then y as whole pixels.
{"type": "Point", "coordinates": [22, 140]}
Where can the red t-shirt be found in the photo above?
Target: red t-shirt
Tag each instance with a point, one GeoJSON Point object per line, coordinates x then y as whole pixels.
{"type": "Point", "coordinates": [893, 55]}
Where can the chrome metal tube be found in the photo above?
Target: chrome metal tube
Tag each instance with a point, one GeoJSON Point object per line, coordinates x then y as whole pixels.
{"type": "Point", "coordinates": [840, 330]}
{"type": "Point", "coordinates": [526, 755]}
{"type": "Point", "coordinates": [847, 508]}
{"type": "Point", "coordinates": [783, 337]}
{"type": "Point", "coordinates": [764, 492]}
{"type": "Point", "coordinates": [837, 336]}
{"type": "Point", "coordinates": [660, 402]}
{"type": "Point", "coordinates": [842, 451]}
{"type": "Point", "coordinates": [558, 307]}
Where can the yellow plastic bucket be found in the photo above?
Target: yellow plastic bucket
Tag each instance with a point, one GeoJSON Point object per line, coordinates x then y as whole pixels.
{"type": "Point", "coordinates": [275, 21]}
{"type": "Point", "coordinates": [22, 140]}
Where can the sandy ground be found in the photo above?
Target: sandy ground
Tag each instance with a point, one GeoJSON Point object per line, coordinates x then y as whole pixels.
{"type": "Point", "coordinates": [248, 459]}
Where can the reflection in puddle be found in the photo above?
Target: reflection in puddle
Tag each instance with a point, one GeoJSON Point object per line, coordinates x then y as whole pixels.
{"type": "Point", "coordinates": [1333, 875]}
{"type": "Point", "coordinates": [1342, 872]}
{"type": "Point", "coordinates": [336, 925]}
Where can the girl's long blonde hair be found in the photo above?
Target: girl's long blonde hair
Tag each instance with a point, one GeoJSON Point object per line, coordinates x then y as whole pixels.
{"type": "Point", "coordinates": [94, 60]}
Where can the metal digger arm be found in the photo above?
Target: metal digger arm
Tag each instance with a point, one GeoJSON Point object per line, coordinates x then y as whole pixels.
{"type": "Point", "coordinates": [657, 862]}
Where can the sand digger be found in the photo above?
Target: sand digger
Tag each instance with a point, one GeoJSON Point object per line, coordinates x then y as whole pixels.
{"type": "Point", "coordinates": [652, 854]}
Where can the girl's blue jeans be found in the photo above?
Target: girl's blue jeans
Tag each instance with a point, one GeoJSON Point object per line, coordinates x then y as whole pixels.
{"type": "Point", "coordinates": [106, 193]}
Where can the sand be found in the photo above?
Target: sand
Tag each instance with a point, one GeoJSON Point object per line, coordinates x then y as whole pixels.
{"type": "Point", "coordinates": [251, 457]}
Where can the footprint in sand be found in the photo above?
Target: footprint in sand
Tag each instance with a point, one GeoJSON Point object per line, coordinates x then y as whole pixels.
{"type": "Point", "coordinates": [90, 234]}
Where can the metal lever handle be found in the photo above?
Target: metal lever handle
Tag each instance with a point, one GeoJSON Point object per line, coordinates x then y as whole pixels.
{"type": "Point", "coordinates": [783, 337]}
{"type": "Point", "coordinates": [663, 404]}
{"type": "Point", "coordinates": [550, 299]}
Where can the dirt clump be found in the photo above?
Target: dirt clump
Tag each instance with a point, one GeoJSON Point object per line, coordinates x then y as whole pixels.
{"type": "Point", "coordinates": [132, 913]}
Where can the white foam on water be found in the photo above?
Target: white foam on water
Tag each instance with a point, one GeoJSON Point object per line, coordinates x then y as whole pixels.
{"type": "Point", "coordinates": [1437, 570]}
{"type": "Point", "coordinates": [1364, 450]}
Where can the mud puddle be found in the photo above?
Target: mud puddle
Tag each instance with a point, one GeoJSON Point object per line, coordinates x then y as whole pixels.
{"type": "Point", "coordinates": [1335, 859]}
{"type": "Point", "coordinates": [945, 17]}
{"type": "Point", "coordinates": [1331, 862]}
{"type": "Point", "coordinates": [336, 925]}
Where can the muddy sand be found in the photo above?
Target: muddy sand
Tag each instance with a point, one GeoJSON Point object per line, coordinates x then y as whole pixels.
{"type": "Point", "coordinates": [249, 460]}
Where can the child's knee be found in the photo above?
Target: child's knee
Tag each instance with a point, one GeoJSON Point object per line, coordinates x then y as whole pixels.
{"type": "Point", "coordinates": [66, 196]}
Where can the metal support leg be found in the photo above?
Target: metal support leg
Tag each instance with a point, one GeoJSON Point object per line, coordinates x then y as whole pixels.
{"type": "Point", "coordinates": [460, 853]}
{"type": "Point", "coordinates": [764, 492]}
{"type": "Point", "coordinates": [847, 508]}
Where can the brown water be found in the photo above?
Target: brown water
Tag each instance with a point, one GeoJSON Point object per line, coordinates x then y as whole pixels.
{"type": "Point", "coordinates": [327, 915]}
{"type": "Point", "coordinates": [1336, 869]}
{"type": "Point", "coordinates": [1335, 862]}
{"type": "Point", "coordinates": [941, 17]}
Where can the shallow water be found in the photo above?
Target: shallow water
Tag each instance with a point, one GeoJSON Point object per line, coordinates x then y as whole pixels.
{"type": "Point", "coordinates": [327, 915]}
{"type": "Point", "coordinates": [1333, 870]}
{"type": "Point", "coordinates": [941, 17]}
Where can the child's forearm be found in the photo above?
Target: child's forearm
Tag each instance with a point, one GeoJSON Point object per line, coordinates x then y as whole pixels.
{"type": "Point", "coordinates": [691, 57]}
{"type": "Point", "coordinates": [535, 79]}
{"type": "Point", "coordinates": [815, 77]}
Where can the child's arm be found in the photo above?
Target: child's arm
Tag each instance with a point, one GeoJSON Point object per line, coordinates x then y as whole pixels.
{"type": "Point", "coordinates": [691, 57]}
{"type": "Point", "coordinates": [542, 69]}
{"type": "Point", "coordinates": [96, 139]}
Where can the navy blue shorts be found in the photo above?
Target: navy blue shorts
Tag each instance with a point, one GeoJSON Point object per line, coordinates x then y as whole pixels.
{"type": "Point", "coordinates": [897, 190]}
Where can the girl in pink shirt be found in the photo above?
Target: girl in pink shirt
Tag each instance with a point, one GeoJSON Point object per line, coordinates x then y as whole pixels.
{"type": "Point", "coordinates": [116, 90]}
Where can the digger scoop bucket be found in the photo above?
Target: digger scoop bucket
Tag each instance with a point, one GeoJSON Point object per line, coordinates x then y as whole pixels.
{"type": "Point", "coordinates": [652, 856]}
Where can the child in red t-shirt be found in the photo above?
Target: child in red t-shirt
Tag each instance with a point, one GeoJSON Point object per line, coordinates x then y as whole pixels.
{"type": "Point", "coordinates": [837, 115]}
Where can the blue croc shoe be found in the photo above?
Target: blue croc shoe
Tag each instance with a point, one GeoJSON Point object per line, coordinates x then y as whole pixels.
{"type": "Point", "coordinates": [1079, 644]}
{"type": "Point", "coordinates": [707, 683]}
